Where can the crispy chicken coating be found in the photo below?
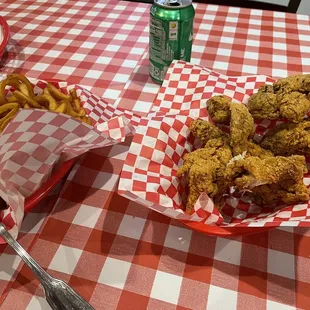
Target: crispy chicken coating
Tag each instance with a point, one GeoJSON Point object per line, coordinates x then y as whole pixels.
{"type": "Point", "coordinates": [252, 171]}
{"type": "Point", "coordinates": [220, 148]}
{"type": "Point", "coordinates": [286, 98]}
{"type": "Point", "coordinates": [264, 104]}
{"type": "Point", "coordinates": [204, 131]}
{"type": "Point", "coordinates": [219, 110]}
{"type": "Point", "coordinates": [205, 167]}
{"type": "Point", "coordinates": [242, 131]}
{"type": "Point", "coordinates": [300, 83]}
{"type": "Point", "coordinates": [205, 170]}
{"type": "Point", "coordinates": [241, 126]}
{"type": "Point", "coordinates": [250, 148]}
{"type": "Point", "coordinates": [293, 106]}
{"type": "Point", "coordinates": [271, 179]}
{"type": "Point", "coordinates": [288, 193]}
{"type": "Point", "coordinates": [288, 138]}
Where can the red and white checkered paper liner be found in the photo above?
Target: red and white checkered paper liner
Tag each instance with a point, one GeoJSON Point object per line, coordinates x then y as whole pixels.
{"type": "Point", "coordinates": [36, 140]}
{"type": "Point", "coordinates": [163, 138]}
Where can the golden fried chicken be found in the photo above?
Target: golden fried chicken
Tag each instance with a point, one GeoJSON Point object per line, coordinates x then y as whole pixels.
{"type": "Point", "coordinates": [252, 171]}
{"type": "Point", "coordinates": [242, 131]}
{"type": "Point", "coordinates": [250, 148]}
{"type": "Point", "coordinates": [220, 148]}
{"type": "Point", "coordinates": [271, 179]}
{"type": "Point", "coordinates": [241, 125]}
{"type": "Point", "coordinates": [219, 110]}
{"type": "Point", "coordinates": [204, 131]}
{"type": "Point", "coordinates": [300, 83]}
{"type": "Point", "coordinates": [205, 170]}
{"type": "Point", "coordinates": [286, 98]}
{"type": "Point", "coordinates": [293, 106]}
{"type": "Point", "coordinates": [288, 138]}
{"type": "Point", "coordinates": [288, 193]}
{"type": "Point", "coordinates": [264, 103]}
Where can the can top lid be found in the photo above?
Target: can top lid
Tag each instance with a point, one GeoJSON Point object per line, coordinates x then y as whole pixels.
{"type": "Point", "coordinates": [171, 4]}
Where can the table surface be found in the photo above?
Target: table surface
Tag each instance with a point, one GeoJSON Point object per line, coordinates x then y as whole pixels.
{"type": "Point", "coordinates": [116, 253]}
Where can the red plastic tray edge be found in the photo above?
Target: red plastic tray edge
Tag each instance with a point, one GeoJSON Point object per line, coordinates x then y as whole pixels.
{"type": "Point", "coordinates": [5, 28]}
{"type": "Point", "coordinates": [45, 189]}
{"type": "Point", "coordinates": [225, 232]}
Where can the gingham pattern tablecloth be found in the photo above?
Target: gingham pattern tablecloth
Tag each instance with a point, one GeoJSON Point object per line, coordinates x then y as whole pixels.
{"type": "Point", "coordinates": [115, 253]}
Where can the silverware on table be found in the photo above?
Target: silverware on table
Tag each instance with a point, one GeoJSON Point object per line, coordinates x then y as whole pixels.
{"type": "Point", "coordinates": [59, 294]}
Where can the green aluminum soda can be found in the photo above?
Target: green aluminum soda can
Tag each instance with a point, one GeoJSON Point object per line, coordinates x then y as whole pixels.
{"type": "Point", "coordinates": [171, 35]}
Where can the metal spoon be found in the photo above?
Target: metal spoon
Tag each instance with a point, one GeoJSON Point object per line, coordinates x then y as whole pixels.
{"type": "Point", "coordinates": [59, 295]}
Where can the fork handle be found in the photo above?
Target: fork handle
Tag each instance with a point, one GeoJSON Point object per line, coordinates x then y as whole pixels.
{"type": "Point", "coordinates": [64, 297]}
{"type": "Point", "coordinates": [41, 274]}
{"type": "Point", "coordinates": [59, 294]}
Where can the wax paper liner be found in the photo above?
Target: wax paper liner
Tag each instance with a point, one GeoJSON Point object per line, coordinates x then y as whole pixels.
{"type": "Point", "coordinates": [37, 140]}
{"type": "Point", "coordinates": [163, 138]}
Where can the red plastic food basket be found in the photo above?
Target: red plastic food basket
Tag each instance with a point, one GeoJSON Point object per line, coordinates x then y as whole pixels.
{"type": "Point", "coordinates": [46, 188]}
{"type": "Point", "coordinates": [5, 33]}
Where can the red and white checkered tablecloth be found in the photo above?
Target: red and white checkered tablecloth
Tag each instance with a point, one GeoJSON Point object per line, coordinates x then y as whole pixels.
{"type": "Point", "coordinates": [116, 253]}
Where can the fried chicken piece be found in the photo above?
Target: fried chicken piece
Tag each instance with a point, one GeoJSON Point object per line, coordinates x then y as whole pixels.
{"type": "Point", "coordinates": [271, 179]}
{"type": "Point", "coordinates": [220, 148]}
{"type": "Point", "coordinates": [288, 193]}
{"type": "Point", "coordinates": [288, 138]}
{"type": "Point", "coordinates": [286, 98]}
{"type": "Point", "coordinates": [250, 148]}
{"type": "Point", "coordinates": [293, 106]}
{"type": "Point", "coordinates": [264, 103]}
{"type": "Point", "coordinates": [253, 171]}
{"type": "Point", "coordinates": [242, 131]}
{"type": "Point", "coordinates": [205, 170]}
{"type": "Point", "coordinates": [241, 125]}
{"type": "Point", "coordinates": [300, 83]}
{"type": "Point", "coordinates": [219, 109]}
{"type": "Point", "coordinates": [204, 131]}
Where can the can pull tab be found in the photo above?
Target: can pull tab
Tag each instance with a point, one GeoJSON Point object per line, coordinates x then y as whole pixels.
{"type": "Point", "coordinates": [173, 3]}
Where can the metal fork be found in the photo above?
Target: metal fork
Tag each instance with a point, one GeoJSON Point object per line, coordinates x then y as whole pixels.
{"type": "Point", "coordinates": [59, 295]}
